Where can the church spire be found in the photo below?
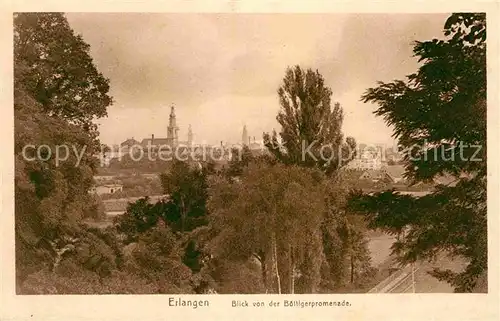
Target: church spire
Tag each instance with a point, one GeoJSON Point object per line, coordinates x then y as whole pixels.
{"type": "Point", "coordinates": [172, 116]}
{"type": "Point", "coordinates": [190, 135]}
{"type": "Point", "coordinates": [244, 136]}
{"type": "Point", "coordinates": [172, 127]}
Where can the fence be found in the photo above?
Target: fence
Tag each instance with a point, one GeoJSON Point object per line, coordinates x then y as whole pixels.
{"type": "Point", "coordinates": [401, 281]}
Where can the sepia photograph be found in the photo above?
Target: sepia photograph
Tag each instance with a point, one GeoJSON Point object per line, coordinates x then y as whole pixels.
{"type": "Point", "coordinates": [250, 153]}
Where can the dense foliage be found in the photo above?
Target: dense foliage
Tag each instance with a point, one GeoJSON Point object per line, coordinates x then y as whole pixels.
{"type": "Point", "coordinates": [270, 222]}
{"type": "Point", "coordinates": [56, 69]}
{"type": "Point", "coordinates": [57, 94]}
{"type": "Point", "coordinates": [311, 130]}
{"type": "Point", "coordinates": [439, 116]}
{"type": "Point", "coordinates": [52, 69]}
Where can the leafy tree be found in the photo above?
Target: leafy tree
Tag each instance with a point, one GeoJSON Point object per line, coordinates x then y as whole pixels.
{"type": "Point", "coordinates": [52, 69]}
{"type": "Point", "coordinates": [237, 278]}
{"type": "Point", "coordinates": [50, 199]}
{"type": "Point", "coordinates": [182, 212]}
{"type": "Point", "coordinates": [241, 159]}
{"type": "Point", "coordinates": [311, 136]}
{"type": "Point", "coordinates": [273, 214]}
{"type": "Point", "coordinates": [439, 116]}
{"type": "Point", "coordinates": [187, 190]}
{"type": "Point", "coordinates": [359, 259]}
{"type": "Point", "coordinates": [149, 266]}
{"type": "Point", "coordinates": [140, 217]}
{"type": "Point", "coordinates": [157, 257]}
{"type": "Point", "coordinates": [347, 261]}
{"type": "Point", "coordinates": [95, 210]}
{"type": "Point", "coordinates": [311, 130]}
{"type": "Point", "coordinates": [57, 70]}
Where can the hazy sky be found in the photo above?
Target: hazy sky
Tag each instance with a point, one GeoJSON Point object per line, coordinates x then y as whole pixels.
{"type": "Point", "coordinates": [223, 70]}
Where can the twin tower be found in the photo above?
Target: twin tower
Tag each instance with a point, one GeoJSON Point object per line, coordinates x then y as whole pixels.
{"type": "Point", "coordinates": [173, 129]}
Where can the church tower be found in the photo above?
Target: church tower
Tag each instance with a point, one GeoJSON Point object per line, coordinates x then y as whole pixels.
{"type": "Point", "coordinates": [172, 128]}
{"type": "Point", "coordinates": [190, 136]}
{"type": "Point", "coordinates": [244, 136]}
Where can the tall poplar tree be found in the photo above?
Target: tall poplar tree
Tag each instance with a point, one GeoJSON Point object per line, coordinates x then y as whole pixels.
{"type": "Point", "coordinates": [311, 128]}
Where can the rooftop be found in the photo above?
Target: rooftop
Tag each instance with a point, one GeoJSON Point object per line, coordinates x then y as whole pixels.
{"type": "Point", "coordinates": [395, 171]}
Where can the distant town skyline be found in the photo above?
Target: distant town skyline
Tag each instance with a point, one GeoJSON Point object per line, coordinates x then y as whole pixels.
{"type": "Point", "coordinates": [222, 71]}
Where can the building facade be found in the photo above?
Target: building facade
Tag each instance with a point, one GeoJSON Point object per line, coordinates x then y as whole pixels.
{"type": "Point", "coordinates": [367, 160]}
{"type": "Point", "coordinates": [106, 189]}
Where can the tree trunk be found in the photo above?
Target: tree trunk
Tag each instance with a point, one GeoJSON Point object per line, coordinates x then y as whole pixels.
{"type": "Point", "coordinates": [275, 263]}
{"type": "Point", "coordinates": [264, 275]}
{"type": "Point", "coordinates": [261, 256]}
{"type": "Point", "coordinates": [183, 215]}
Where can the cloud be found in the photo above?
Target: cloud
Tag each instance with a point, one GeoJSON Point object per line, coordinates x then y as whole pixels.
{"type": "Point", "coordinates": [230, 65]}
